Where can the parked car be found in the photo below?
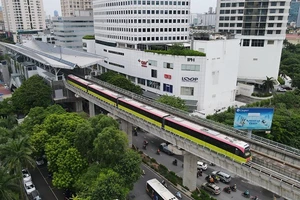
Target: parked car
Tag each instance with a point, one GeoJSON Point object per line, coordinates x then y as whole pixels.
{"type": "Point", "coordinates": [212, 188]}
{"type": "Point", "coordinates": [35, 195]}
{"type": "Point", "coordinates": [280, 89]}
{"type": "Point", "coordinates": [164, 147]}
{"type": "Point", "coordinates": [286, 87]}
{"type": "Point", "coordinates": [40, 161]}
{"type": "Point", "coordinates": [29, 187]}
{"type": "Point", "coordinates": [201, 165]}
{"type": "Point", "coordinates": [26, 175]}
{"type": "Point", "coordinates": [225, 178]}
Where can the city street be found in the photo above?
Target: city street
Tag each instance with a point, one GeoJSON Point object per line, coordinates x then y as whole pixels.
{"type": "Point", "coordinates": [166, 160]}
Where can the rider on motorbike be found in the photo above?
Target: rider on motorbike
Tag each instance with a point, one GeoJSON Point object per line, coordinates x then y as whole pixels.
{"type": "Point", "coordinates": [246, 193]}
{"type": "Point", "coordinates": [175, 162]}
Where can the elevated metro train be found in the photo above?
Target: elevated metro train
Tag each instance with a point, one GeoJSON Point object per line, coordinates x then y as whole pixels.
{"type": "Point", "coordinates": [222, 144]}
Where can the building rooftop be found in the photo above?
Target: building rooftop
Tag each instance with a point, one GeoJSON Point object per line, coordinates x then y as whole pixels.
{"type": "Point", "coordinates": [55, 56]}
{"type": "Point", "coordinates": [292, 36]}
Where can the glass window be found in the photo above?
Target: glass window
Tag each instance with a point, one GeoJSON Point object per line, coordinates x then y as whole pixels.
{"type": "Point", "coordinates": [188, 91]}
{"type": "Point", "coordinates": [246, 42]}
{"type": "Point", "coordinates": [270, 41]}
{"type": "Point", "coordinates": [153, 84]}
{"type": "Point", "coordinates": [152, 63]}
{"type": "Point", "coordinates": [141, 81]}
{"type": "Point", "coordinates": [257, 43]}
{"type": "Point", "coordinates": [186, 67]}
{"type": "Point", "coordinates": [153, 73]}
{"type": "Point", "coordinates": [168, 65]}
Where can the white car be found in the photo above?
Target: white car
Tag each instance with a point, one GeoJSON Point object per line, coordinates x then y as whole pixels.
{"type": "Point", "coordinates": [26, 175]}
{"type": "Point", "coordinates": [40, 161]}
{"type": "Point", "coordinates": [29, 187]}
{"type": "Point", "coordinates": [201, 165]}
{"type": "Point", "coordinates": [280, 89]}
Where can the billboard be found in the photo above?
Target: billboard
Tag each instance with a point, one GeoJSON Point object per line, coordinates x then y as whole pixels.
{"type": "Point", "coordinates": [253, 118]}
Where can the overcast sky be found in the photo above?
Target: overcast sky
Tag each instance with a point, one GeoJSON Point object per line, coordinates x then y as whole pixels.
{"type": "Point", "coordinates": [198, 6]}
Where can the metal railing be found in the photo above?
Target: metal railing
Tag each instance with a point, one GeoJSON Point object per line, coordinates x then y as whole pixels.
{"type": "Point", "coordinates": [204, 122]}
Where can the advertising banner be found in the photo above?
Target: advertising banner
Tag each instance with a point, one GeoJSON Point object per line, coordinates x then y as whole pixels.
{"type": "Point", "coordinates": [253, 118]}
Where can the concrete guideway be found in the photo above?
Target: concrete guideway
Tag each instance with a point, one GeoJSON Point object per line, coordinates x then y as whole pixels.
{"type": "Point", "coordinates": [283, 152]}
{"type": "Point", "coordinates": [268, 179]}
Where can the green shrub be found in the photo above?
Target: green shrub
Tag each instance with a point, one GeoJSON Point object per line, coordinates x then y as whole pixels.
{"type": "Point", "coordinates": [261, 94]}
{"type": "Point", "coordinates": [185, 52]}
{"type": "Point", "coordinates": [153, 160]}
{"type": "Point", "coordinates": [281, 81]}
{"type": "Point", "coordinates": [89, 37]}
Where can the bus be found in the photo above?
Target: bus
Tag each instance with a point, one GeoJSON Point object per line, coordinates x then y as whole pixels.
{"type": "Point", "coordinates": [157, 191]}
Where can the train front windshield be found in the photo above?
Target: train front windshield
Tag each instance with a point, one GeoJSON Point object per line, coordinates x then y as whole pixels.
{"type": "Point", "coordinates": [247, 153]}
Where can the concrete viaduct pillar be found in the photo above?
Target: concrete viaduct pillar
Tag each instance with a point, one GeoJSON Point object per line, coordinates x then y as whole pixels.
{"type": "Point", "coordinates": [91, 109]}
{"type": "Point", "coordinates": [190, 171]}
{"type": "Point", "coordinates": [127, 128]}
{"type": "Point", "coordinates": [78, 106]}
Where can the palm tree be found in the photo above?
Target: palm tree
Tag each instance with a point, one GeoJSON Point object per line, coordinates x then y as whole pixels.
{"type": "Point", "coordinates": [15, 155]}
{"type": "Point", "coordinates": [8, 186]}
{"type": "Point", "coordinates": [269, 83]}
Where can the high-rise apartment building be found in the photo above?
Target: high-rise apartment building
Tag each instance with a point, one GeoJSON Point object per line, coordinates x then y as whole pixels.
{"type": "Point", "coordinates": [294, 12]}
{"type": "Point", "coordinates": [261, 27]}
{"type": "Point", "coordinates": [23, 15]}
{"type": "Point", "coordinates": [68, 7]}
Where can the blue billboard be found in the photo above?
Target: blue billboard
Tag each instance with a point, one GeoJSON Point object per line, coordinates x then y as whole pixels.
{"type": "Point", "coordinates": [253, 118]}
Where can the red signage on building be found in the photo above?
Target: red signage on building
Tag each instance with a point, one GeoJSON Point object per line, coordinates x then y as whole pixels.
{"type": "Point", "coordinates": [143, 63]}
{"type": "Point", "coordinates": [168, 76]}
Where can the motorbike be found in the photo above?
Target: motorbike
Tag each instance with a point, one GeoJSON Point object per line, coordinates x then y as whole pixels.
{"type": "Point", "coordinates": [227, 190]}
{"type": "Point", "coordinates": [254, 198]}
{"type": "Point", "coordinates": [178, 195]}
{"type": "Point", "coordinates": [158, 152]}
{"type": "Point", "coordinates": [212, 164]}
{"type": "Point", "coordinates": [246, 194]}
{"type": "Point", "coordinates": [199, 173]}
{"type": "Point", "coordinates": [144, 146]}
{"type": "Point", "coordinates": [175, 162]}
{"type": "Point", "coordinates": [233, 188]}
{"type": "Point", "coordinates": [164, 183]}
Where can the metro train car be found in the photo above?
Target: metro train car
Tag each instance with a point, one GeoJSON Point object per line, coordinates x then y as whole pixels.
{"type": "Point", "coordinates": [222, 144]}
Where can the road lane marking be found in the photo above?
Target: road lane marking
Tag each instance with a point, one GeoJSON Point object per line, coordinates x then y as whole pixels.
{"type": "Point", "coordinates": [47, 183]}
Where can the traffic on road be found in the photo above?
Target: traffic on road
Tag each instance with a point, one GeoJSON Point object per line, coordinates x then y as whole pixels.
{"type": "Point", "coordinates": [167, 158]}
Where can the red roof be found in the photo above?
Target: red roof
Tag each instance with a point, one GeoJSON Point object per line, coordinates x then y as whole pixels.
{"type": "Point", "coordinates": [4, 91]}
{"type": "Point", "coordinates": [292, 36]}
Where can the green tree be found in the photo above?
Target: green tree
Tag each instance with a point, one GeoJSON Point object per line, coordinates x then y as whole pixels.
{"type": "Point", "coordinates": [33, 92]}
{"type": "Point", "coordinates": [84, 140]}
{"type": "Point", "coordinates": [53, 148]}
{"type": "Point", "coordinates": [100, 122]}
{"type": "Point", "coordinates": [296, 81]}
{"type": "Point", "coordinates": [8, 122]}
{"type": "Point", "coordinates": [38, 140]}
{"type": "Point", "coordinates": [109, 185]}
{"type": "Point", "coordinates": [70, 165]}
{"type": "Point", "coordinates": [86, 180]}
{"type": "Point", "coordinates": [16, 154]}
{"type": "Point", "coordinates": [268, 84]}
{"type": "Point", "coordinates": [6, 107]}
{"type": "Point", "coordinates": [8, 186]}
{"type": "Point", "coordinates": [108, 75]}
{"type": "Point", "coordinates": [173, 101]}
{"type": "Point", "coordinates": [129, 167]}
{"type": "Point", "coordinates": [123, 82]}
{"type": "Point", "coordinates": [110, 146]}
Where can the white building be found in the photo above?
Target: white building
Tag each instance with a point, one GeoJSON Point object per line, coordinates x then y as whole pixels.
{"type": "Point", "coordinates": [23, 15]}
{"type": "Point", "coordinates": [68, 7]}
{"type": "Point", "coordinates": [206, 19]}
{"type": "Point", "coordinates": [69, 31]}
{"type": "Point", "coordinates": [261, 26]}
{"type": "Point", "coordinates": [44, 37]}
{"type": "Point", "coordinates": [204, 82]}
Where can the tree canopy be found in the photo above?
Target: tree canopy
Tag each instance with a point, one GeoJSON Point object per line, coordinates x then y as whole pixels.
{"type": "Point", "coordinates": [120, 81]}
{"type": "Point", "coordinates": [32, 93]}
{"type": "Point", "coordinates": [173, 101]}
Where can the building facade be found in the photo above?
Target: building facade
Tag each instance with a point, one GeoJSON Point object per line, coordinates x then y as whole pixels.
{"type": "Point", "coordinates": [206, 19]}
{"type": "Point", "coordinates": [125, 30]}
{"type": "Point", "coordinates": [23, 15]}
{"type": "Point", "coordinates": [69, 31]}
{"type": "Point", "coordinates": [68, 7]}
{"type": "Point", "coordinates": [261, 27]}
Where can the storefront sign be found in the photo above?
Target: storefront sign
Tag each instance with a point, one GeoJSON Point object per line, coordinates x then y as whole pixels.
{"type": "Point", "coordinates": [168, 76]}
{"type": "Point", "coordinates": [143, 63]}
{"type": "Point", "coordinates": [189, 79]}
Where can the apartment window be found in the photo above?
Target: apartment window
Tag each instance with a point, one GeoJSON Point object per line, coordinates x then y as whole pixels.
{"type": "Point", "coordinates": [185, 67]}
{"type": "Point", "coordinates": [153, 73]}
{"type": "Point", "coordinates": [270, 42]}
{"type": "Point", "coordinates": [187, 91]}
{"type": "Point", "coordinates": [282, 3]}
{"type": "Point", "coordinates": [168, 88]}
{"type": "Point", "coordinates": [279, 25]}
{"type": "Point", "coordinates": [168, 65]}
{"type": "Point", "coordinates": [273, 3]}
{"type": "Point", "coordinates": [270, 25]}
{"type": "Point", "coordinates": [246, 42]}
{"type": "Point", "coordinates": [278, 32]}
{"type": "Point", "coordinates": [257, 43]}
{"type": "Point", "coordinates": [279, 18]}
{"type": "Point", "coordinates": [271, 18]}
{"type": "Point", "coordinates": [272, 10]}
{"type": "Point", "coordinates": [141, 81]}
{"type": "Point", "coordinates": [269, 32]}
{"type": "Point", "coordinates": [241, 4]}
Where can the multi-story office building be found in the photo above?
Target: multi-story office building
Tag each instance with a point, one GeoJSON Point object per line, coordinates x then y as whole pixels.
{"type": "Point", "coordinates": [261, 27]}
{"type": "Point", "coordinates": [294, 13]}
{"type": "Point", "coordinates": [68, 7]}
{"type": "Point", "coordinates": [23, 15]}
{"type": "Point", "coordinates": [124, 30]}
{"type": "Point", "coordinates": [69, 31]}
